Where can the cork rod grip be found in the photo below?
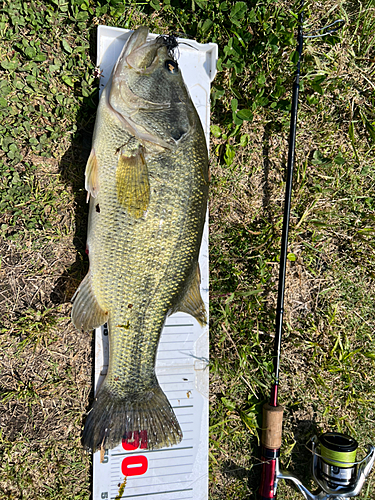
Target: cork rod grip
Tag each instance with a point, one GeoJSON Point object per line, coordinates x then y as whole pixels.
{"type": "Point", "coordinates": [272, 426]}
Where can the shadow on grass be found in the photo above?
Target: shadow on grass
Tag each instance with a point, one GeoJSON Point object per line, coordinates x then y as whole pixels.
{"type": "Point", "coordinates": [72, 169]}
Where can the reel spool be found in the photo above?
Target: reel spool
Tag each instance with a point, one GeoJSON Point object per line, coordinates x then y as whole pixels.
{"type": "Point", "coordinates": [335, 467]}
{"type": "Point", "coordinates": [337, 461]}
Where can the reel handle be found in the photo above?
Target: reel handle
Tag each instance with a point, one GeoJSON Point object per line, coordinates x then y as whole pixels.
{"type": "Point", "coordinates": [271, 444]}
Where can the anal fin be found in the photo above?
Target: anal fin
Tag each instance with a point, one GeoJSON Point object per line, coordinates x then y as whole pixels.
{"type": "Point", "coordinates": [133, 187]}
{"type": "Point", "coordinates": [191, 302]}
{"type": "Point", "coordinates": [86, 312]}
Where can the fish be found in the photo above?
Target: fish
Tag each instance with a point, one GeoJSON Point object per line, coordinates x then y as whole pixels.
{"type": "Point", "coordinates": [147, 183]}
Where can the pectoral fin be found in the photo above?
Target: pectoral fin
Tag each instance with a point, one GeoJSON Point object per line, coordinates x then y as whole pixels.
{"type": "Point", "coordinates": [92, 176]}
{"type": "Point", "coordinates": [86, 312]}
{"type": "Point", "coordinates": [133, 187]}
{"type": "Point", "coordinates": [191, 302]}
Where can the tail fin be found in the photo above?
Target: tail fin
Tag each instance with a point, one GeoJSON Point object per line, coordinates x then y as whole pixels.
{"type": "Point", "coordinates": [147, 418]}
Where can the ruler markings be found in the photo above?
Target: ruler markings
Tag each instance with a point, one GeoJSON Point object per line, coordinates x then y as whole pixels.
{"type": "Point", "coordinates": [186, 415]}
{"type": "Point", "coordinates": [134, 480]}
{"type": "Point", "coordinates": [187, 332]}
{"type": "Point", "coordinates": [173, 342]}
{"type": "Point", "coordinates": [181, 386]}
{"type": "Point", "coordinates": [180, 403]}
{"type": "Point", "coordinates": [182, 496]}
{"type": "Point", "coordinates": [183, 382]}
{"type": "Point", "coordinates": [170, 467]}
{"type": "Point", "coordinates": [181, 406]}
{"type": "Point", "coordinates": [180, 355]}
{"type": "Point", "coordinates": [168, 497]}
{"type": "Point", "coordinates": [180, 351]}
{"type": "Point", "coordinates": [178, 341]}
{"type": "Point", "coordinates": [175, 358]}
{"type": "Point", "coordinates": [189, 370]}
{"type": "Point", "coordinates": [180, 456]}
{"type": "Point", "coordinates": [181, 397]}
{"type": "Point", "coordinates": [187, 426]}
{"type": "Point", "coordinates": [178, 379]}
{"type": "Point", "coordinates": [184, 407]}
{"type": "Point", "coordinates": [146, 452]}
{"type": "Point", "coordinates": [184, 346]}
{"type": "Point", "coordinates": [157, 493]}
{"type": "Point", "coordinates": [181, 390]}
{"type": "Point", "coordinates": [165, 485]}
{"type": "Point", "coordinates": [119, 457]}
{"type": "Point", "coordinates": [180, 393]}
{"type": "Point", "coordinates": [178, 400]}
{"type": "Point", "coordinates": [179, 326]}
{"type": "Point", "coordinates": [180, 376]}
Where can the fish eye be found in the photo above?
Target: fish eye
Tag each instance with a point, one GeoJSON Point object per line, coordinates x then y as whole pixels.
{"type": "Point", "coordinates": [171, 66]}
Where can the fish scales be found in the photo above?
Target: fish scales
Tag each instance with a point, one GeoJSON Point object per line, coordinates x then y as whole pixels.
{"type": "Point", "coordinates": [143, 245]}
{"type": "Point", "coordinates": [145, 251]}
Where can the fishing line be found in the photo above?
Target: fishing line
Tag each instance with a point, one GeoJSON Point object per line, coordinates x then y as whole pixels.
{"type": "Point", "coordinates": [338, 449]}
{"type": "Point", "coordinates": [172, 42]}
{"type": "Point", "coordinates": [356, 462]}
{"type": "Point", "coordinates": [320, 35]}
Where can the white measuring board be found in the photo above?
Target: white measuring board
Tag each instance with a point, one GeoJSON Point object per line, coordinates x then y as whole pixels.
{"type": "Point", "coordinates": [179, 472]}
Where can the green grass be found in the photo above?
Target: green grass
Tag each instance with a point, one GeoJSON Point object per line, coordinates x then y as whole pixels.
{"type": "Point", "coordinates": [48, 97]}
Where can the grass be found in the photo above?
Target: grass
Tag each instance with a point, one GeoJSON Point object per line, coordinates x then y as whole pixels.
{"type": "Point", "coordinates": [48, 97]}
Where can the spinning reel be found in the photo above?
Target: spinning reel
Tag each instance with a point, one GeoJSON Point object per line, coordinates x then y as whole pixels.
{"type": "Point", "coordinates": [334, 468]}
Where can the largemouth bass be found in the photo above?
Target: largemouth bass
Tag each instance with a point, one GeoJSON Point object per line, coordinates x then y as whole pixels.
{"type": "Point", "coordinates": [147, 179]}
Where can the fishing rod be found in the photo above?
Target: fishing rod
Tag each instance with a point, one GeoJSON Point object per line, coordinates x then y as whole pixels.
{"type": "Point", "coordinates": [334, 466]}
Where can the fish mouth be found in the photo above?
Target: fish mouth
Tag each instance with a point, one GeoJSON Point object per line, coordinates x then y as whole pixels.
{"type": "Point", "coordinates": [140, 54]}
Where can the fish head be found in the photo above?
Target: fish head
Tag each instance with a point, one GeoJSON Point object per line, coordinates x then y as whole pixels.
{"type": "Point", "coordinates": [148, 91]}
{"type": "Point", "coordinates": [137, 55]}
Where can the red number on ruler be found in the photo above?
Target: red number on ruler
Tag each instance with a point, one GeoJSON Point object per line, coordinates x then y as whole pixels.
{"type": "Point", "coordinates": [132, 440]}
{"type": "Point", "coordinates": [135, 465]}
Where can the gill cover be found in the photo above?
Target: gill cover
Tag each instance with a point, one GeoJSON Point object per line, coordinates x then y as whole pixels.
{"type": "Point", "coordinates": [123, 96]}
